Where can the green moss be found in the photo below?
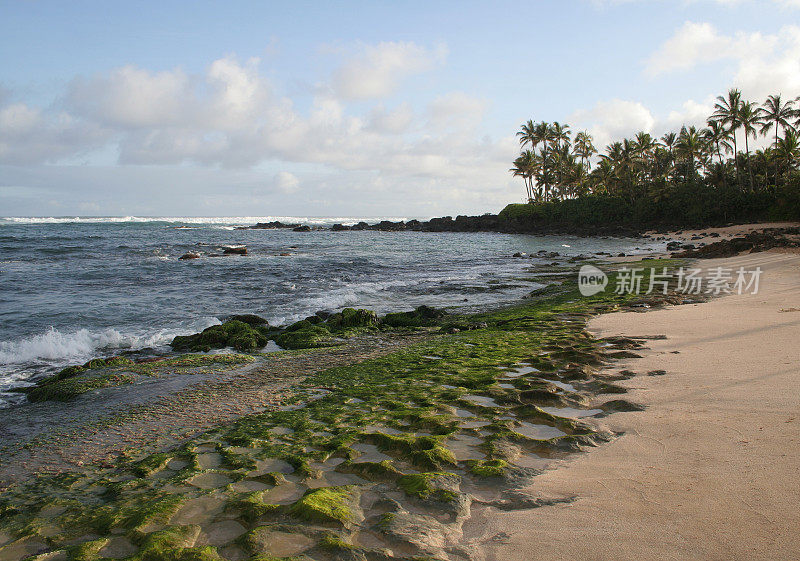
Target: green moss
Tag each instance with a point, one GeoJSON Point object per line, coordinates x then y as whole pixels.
{"type": "Point", "coordinates": [332, 542]}
{"type": "Point", "coordinates": [249, 319]}
{"type": "Point", "coordinates": [403, 390]}
{"type": "Point", "coordinates": [309, 337]}
{"type": "Point", "coordinates": [172, 544]}
{"type": "Point", "coordinates": [189, 361]}
{"type": "Point", "coordinates": [422, 316]}
{"type": "Point", "coordinates": [69, 388]}
{"type": "Point", "coordinates": [329, 504]}
{"type": "Point", "coordinates": [373, 471]}
{"type": "Point", "coordinates": [234, 333]}
{"type": "Point", "coordinates": [67, 372]}
{"type": "Point", "coordinates": [488, 468]}
{"type": "Point", "coordinates": [271, 478]}
{"type": "Point", "coordinates": [425, 452]}
{"type": "Point", "coordinates": [152, 463]}
{"type": "Point", "coordinates": [236, 461]}
{"type": "Point", "coordinates": [86, 551]}
{"type": "Point", "coordinates": [423, 486]}
{"type": "Point", "coordinates": [386, 521]}
{"type": "Point", "coordinates": [350, 318]}
{"type": "Point", "coordinates": [130, 514]}
{"type": "Point", "coordinates": [76, 380]}
{"type": "Point", "coordinates": [253, 506]}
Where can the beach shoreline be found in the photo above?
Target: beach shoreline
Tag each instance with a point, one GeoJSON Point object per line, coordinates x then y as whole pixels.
{"type": "Point", "coordinates": [708, 470]}
{"type": "Point", "coordinates": [493, 519]}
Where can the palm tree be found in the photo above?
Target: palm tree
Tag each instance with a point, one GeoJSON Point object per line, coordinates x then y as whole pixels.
{"type": "Point", "coordinates": [773, 111]}
{"type": "Point", "coordinates": [717, 137]}
{"type": "Point", "coordinates": [524, 166]}
{"type": "Point", "coordinates": [527, 135]}
{"type": "Point", "coordinates": [669, 140]}
{"type": "Point", "coordinates": [726, 111]}
{"type": "Point", "coordinates": [690, 148]}
{"type": "Point", "coordinates": [542, 135]}
{"type": "Point", "coordinates": [788, 149]}
{"type": "Point", "coordinates": [584, 149]}
{"type": "Point", "coordinates": [560, 134]}
{"type": "Point", "coordinates": [750, 119]}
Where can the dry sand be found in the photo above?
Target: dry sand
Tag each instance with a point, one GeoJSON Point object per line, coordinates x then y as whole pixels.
{"type": "Point", "coordinates": [725, 232]}
{"type": "Point", "coordinates": [711, 469]}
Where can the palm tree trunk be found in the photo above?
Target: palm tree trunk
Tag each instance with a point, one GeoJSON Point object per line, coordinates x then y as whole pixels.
{"type": "Point", "coordinates": [776, 146]}
{"type": "Point", "coordinates": [724, 175]}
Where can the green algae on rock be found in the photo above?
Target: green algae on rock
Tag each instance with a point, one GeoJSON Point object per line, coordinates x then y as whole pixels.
{"type": "Point", "coordinates": [406, 404]}
{"type": "Point", "coordinates": [233, 333]}
{"type": "Point", "coordinates": [103, 373]}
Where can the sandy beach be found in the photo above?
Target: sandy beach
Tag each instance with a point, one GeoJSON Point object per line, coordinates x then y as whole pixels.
{"type": "Point", "coordinates": [710, 469]}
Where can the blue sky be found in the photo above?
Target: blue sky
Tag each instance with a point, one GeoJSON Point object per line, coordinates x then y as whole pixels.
{"type": "Point", "coordinates": [349, 108]}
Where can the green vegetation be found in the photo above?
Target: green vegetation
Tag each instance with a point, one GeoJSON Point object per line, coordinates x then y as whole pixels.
{"type": "Point", "coordinates": [429, 485]}
{"type": "Point", "coordinates": [298, 472]}
{"type": "Point", "coordinates": [489, 468]}
{"type": "Point", "coordinates": [103, 373]}
{"type": "Point", "coordinates": [233, 333]}
{"type": "Point", "coordinates": [330, 504]}
{"type": "Point", "coordinates": [422, 316]}
{"type": "Point", "coordinates": [683, 179]}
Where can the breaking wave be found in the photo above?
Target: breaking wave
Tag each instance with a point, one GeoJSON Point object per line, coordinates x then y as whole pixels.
{"type": "Point", "coordinates": [211, 220]}
{"type": "Point", "coordinates": [53, 346]}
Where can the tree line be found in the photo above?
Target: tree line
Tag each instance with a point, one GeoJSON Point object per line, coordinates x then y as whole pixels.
{"type": "Point", "coordinates": [557, 166]}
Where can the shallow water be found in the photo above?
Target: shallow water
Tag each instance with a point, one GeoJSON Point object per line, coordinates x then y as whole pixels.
{"type": "Point", "coordinates": [76, 289]}
{"type": "Point", "coordinates": [571, 412]}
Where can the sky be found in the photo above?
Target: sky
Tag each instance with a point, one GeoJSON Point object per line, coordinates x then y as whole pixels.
{"type": "Point", "coordinates": [349, 108]}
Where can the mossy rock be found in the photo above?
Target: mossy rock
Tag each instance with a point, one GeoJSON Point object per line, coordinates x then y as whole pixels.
{"type": "Point", "coordinates": [308, 337]}
{"type": "Point", "coordinates": [373, 471]}
{"type": "Point", "coordinates": [173, 544]}
{"type": "Point", "coordinates": [250, 319]}
{"type": "Point", "coordinates": [350, 318]}
{"type": "Point", "coordinates": [420, 317]}
{"type": "Point", "coordinates": [64, 390]}
{"type": "Point", "coordinates": [252, 506]}
{"type": "Point", "coordinates": [425, 452]}
{"type": "Point", "coordinates": [439, 486]}
{"type": "Point", "coordinates": [237, 334]}
{"type": "Point", "coordinates": [488, 468]}
{"type": "Point", "coordinates": [328, 505]}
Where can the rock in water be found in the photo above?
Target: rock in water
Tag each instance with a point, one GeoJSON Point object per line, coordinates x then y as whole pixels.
{"type": "Point", "coordinates": [234, 250]}
{"type": "Point", "coordinates": [190, 255]}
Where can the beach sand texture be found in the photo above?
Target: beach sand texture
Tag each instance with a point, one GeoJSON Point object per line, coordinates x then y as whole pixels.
{"type": "Point", "coordinates": [711, 469]}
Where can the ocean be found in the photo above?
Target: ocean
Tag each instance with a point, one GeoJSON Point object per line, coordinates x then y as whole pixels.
{"type": "Point", "coordinates": [76, 288]}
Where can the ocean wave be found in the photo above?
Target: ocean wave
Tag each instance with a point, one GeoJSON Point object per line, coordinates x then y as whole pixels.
{"type": "Point", "coordinates": [56, 347]}
{"type": "Point", "coordinates": [210, 220]}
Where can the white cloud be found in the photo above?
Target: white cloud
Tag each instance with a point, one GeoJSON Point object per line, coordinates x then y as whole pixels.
{"type": "Point", "coordinates": [133, 97]}
{"type": "Point", "coordinates": [231, 117]}
{"type": "Point", "coordinates": [764, 63]}
{"type": "Point", "coordinates": [613, 120]}
{"type": "Point", "coordinates": [378, 69]}
{"type": "Point", "coordinates": [27, 135]}
{"type": "Point", "coordinates": [692, 44]}
{"type": "Point", "coordinates": [287, 182]}
{"type": "Point", "coordinates": [456, 110]}
{"type": "Point", "coordinates": [396, 121]}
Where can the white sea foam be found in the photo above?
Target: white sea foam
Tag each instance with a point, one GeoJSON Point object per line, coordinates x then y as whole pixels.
{"type": "Point", "coordinates": [226, 221]}
{"type": "Point", "coordinates": [53, 346]}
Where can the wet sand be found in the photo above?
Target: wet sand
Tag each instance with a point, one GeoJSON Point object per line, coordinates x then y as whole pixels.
{"type": "Point", "coordinates": [711, 469]}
